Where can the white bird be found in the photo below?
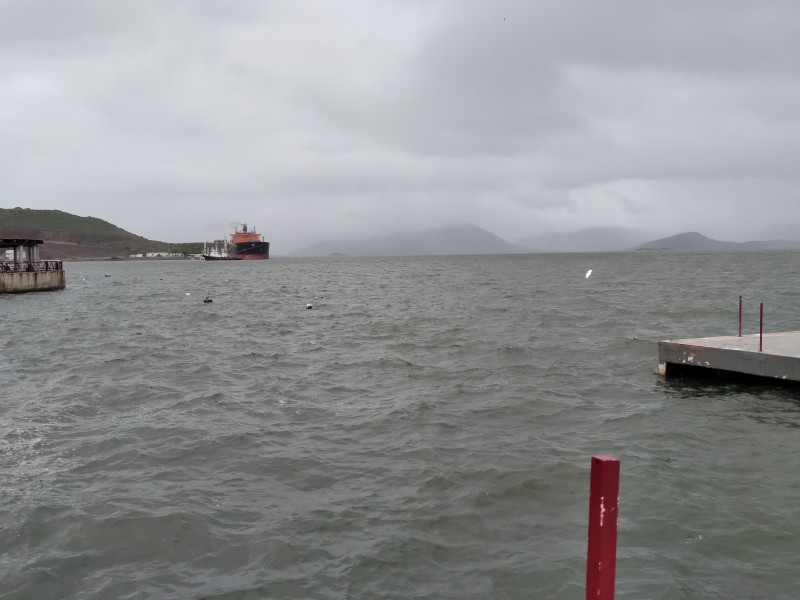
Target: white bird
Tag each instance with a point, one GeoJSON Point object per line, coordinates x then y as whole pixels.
{"type": "Point", "coordinates": [588, 273]}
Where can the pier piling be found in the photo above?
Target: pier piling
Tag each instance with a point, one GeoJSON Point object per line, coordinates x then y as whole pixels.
{"type": "Point", "coordinates": [740, 315]}
{"type": "Point", "coordinates": [601, 560]}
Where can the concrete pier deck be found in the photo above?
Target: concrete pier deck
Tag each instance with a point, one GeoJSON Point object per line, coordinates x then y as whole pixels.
{"type": "Point", "coordinates": [734, 355]}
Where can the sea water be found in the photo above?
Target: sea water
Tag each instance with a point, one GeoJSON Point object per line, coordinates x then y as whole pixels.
{"type": "Point", "coordinates": [423, 431]}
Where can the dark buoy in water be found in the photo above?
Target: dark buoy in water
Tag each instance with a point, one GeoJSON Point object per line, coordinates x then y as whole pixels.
{"type": "Point", "coordinates": [107, 275]}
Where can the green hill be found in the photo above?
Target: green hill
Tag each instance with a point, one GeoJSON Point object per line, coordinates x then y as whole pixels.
{"type": "Point", "coordinates": [70, 236]}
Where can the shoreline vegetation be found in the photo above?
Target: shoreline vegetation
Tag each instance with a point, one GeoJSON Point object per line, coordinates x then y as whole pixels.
{"type": "Point", "coordinates": [70, 237]}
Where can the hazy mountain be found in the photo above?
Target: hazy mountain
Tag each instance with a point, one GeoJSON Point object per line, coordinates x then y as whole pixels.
{"type": "Point", "coordinates": [696, 242]}
{"type": "Point", "coordinates": [595, 239]}
{"type": "Point", "coordinates": [458, 239]}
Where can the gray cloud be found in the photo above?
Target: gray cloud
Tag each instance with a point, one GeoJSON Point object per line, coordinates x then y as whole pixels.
{"type": "Point", "coordinates": [321, 120]}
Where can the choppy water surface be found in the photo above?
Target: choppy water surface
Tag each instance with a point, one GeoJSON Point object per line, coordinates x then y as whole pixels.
{"type": "Point", "coordinates": [423, 432]}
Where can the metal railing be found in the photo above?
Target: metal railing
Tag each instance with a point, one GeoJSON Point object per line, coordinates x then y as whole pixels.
{"type": "Point", "coordinates": [22, 267]}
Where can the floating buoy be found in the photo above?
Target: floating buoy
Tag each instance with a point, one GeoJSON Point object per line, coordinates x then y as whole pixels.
{"type": "Point", "coordinates": [188, 294]}
{"type": "Point", "coordinates": [207, 298]}
{"type": "Point", "coordinates": [308, 306]}
{"type": "Point", "coordinates": [107, 275]}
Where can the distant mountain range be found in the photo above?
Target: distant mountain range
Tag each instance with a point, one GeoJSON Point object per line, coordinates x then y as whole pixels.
{"type": "Point", "coordinates": [469, 239]}
{"type": "Point", "coordinates": [71, 237]}
{"type": "Point", "coordinates": [696, 242]}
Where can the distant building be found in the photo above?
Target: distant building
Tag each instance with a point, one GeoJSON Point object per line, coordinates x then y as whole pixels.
{"type": "Point", "coordinates": [163, 255]}
{"type": "Point", "coordinates": [158, 255]}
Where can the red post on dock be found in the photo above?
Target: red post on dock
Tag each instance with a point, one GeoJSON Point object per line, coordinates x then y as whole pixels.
{"type": "Point", "coordinates": [761, 328]}
{"type": "Point", "coordinates": [601, 562]}
{"type": "Point", "coordinates": [740, 315]}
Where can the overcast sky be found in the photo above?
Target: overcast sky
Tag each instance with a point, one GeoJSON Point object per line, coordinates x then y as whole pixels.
{"type": "Point", "coordinates": [329, 119]}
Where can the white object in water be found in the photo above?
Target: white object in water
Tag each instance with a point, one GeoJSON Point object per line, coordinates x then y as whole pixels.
{"type": "Point", "coordinates": [188, 294]}
{"type": "Point", "coordinates": [588, 273]}
{"type": "Point", "coordinates": [309, 306]}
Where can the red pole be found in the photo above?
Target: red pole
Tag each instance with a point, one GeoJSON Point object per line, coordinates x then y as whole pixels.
{"type": "Point", "coordinates": [761, 329]}
{"type": "Point", "coordinates": [601, 562]}
{"type": "Point", "coordinates": [740, 315]}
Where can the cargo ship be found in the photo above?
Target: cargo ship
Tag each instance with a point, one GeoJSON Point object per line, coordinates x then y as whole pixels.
{"type": "Point", "coordinates": [245, 244]}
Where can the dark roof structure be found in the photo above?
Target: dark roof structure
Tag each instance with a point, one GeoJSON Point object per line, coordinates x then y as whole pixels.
{"type": "Point", "coordinates": [14, 242]}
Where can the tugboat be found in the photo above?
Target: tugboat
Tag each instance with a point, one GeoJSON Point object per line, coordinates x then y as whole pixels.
{"type": "Point", "coordinates": [218, 250]}
{"type": "Point", "coordinates": [245, 244]}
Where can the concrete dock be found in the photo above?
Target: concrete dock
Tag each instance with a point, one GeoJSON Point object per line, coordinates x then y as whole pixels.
{"type": "Point", "coordinates": [733, 356]}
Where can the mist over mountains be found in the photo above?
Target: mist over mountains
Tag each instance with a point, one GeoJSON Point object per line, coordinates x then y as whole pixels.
{"type": "Point", "coordinates": [470, 239]}
{"type": "Point", "coordinates": [595, 239]}
{"type": "Point", "coordinates": [456, 239]}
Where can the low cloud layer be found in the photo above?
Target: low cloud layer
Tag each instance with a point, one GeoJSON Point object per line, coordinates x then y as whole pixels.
{"type": "Point", "coordinates": [316, 120]}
